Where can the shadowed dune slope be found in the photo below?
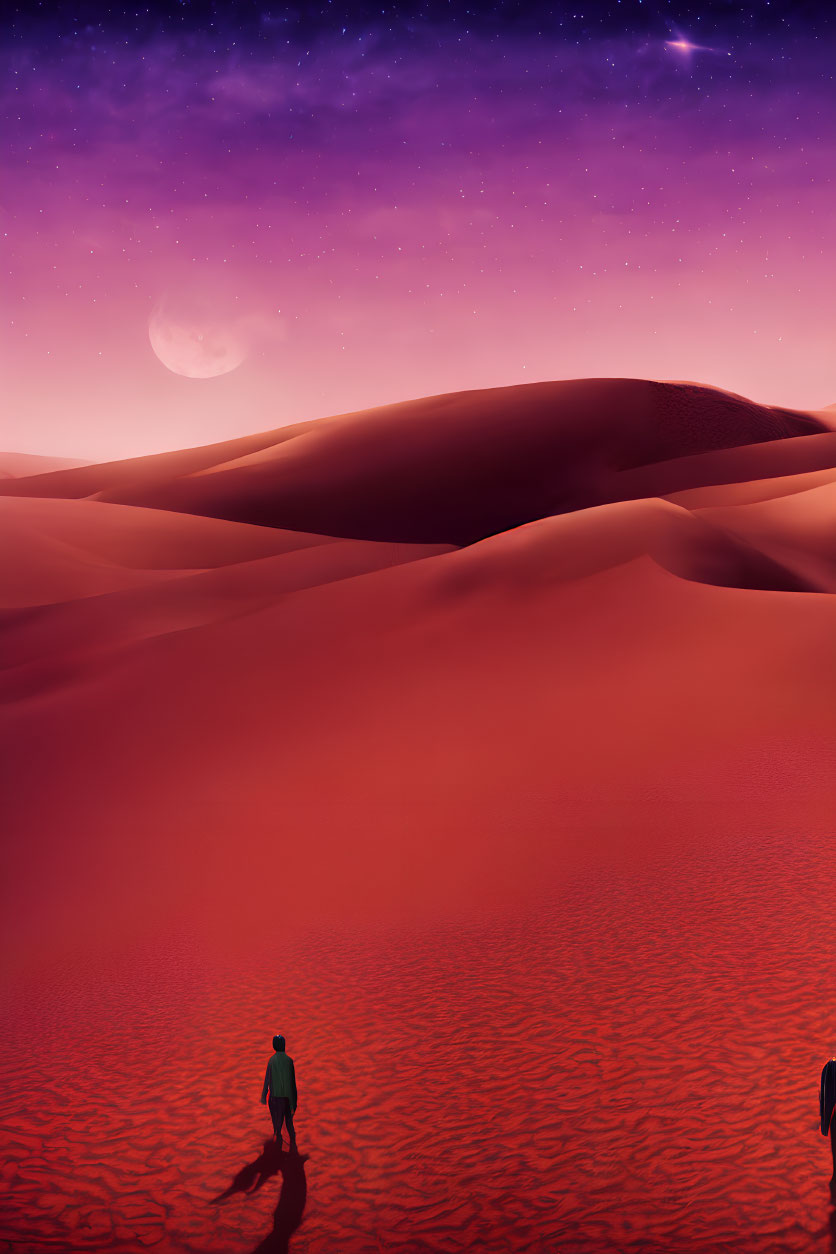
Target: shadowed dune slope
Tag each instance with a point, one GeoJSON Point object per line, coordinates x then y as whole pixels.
{"type": "Point", "coordinates": [574, 546]}
{"type": "Point", "coordinates": [804, 520]}
{"type": "Point", "coordinates": [40, 645]}
{"type": "Point", "coordinates": [798, 531]}
{"type": "Point", "coordinates": [770, 460]}
{"type": "Point", "coordinates": [445, 469]}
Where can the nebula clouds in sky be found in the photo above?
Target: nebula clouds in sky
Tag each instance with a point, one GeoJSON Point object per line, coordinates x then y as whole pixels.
{"type": "Point", "coordinates": [375, 218]}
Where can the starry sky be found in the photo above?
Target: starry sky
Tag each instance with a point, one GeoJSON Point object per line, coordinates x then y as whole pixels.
{"type": "Point", "coordinates": [335, 206]}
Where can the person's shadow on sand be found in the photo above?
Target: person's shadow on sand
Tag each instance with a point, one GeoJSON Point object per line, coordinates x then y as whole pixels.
{"type": "Point", "coordinates": [830, 1226]}
{"type": "Point", "coordinates": [288, 1214]}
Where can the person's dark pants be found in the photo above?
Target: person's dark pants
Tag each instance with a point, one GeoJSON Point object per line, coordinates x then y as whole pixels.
{"type": "Point", "coordinates": [280, 1110]}
{"type": "Point", "coordinates": [833, 1151]}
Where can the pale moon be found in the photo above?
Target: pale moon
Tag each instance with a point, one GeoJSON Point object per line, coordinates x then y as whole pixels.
{"type": "Point", "coordinates": [198, 349]}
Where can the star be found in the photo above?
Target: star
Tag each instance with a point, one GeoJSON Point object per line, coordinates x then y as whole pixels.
{"type": "Point", "coordinates": [685, 48]}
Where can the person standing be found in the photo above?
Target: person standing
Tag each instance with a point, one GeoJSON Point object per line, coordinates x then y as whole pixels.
{"type": "Point", "coordinates": [827, 1101]}
{"type": "Point", "coordinates": [280, 1082]}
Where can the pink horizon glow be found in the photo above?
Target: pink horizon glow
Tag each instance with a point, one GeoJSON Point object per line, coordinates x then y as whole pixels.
{"type": "Point", "coordinates": [381, 227]}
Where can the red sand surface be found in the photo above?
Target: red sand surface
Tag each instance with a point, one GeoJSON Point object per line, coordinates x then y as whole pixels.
{"type": "Point", "coordinates": [526, 845]}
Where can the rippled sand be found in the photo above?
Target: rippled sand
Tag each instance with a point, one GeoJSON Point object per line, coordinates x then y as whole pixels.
{"type": "Point", "coordinates": [632, 1065]}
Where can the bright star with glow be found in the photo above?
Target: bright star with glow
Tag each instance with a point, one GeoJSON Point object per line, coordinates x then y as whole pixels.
{"type": "Point", "coordinates": [685, 48]}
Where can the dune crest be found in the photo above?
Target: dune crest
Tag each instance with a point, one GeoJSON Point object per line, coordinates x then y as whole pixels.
{"type": "Point", "coordinates": [451, 469]}
{"type": "Point", "coordinates": [25, 465]}
{"type": "Point", "coordinates": [536, 484]}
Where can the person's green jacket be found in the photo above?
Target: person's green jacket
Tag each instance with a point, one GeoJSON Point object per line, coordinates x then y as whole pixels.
{"type": "Point", "coordinates": [280, 1078]}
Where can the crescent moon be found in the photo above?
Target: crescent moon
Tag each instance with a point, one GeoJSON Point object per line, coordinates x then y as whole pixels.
{"type": "Point", "coordinates": [196, 349]}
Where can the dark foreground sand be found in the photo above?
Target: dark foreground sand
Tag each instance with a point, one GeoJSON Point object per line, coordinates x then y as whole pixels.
{"type": "Point", "coordinates": [525, 844]}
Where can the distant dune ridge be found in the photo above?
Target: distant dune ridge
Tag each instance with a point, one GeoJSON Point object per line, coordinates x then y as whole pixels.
{"type": "Point", "coordinates": [25, 465]}
{"type": "Point", "coordinates": [449, 469]}
{"type": "Point", "coordinates": [443, 471]}
{"type": "Point", "coordinates": [553, 481]}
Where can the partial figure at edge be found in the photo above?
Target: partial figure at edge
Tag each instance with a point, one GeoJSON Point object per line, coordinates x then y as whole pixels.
{"type": "Point", "coordinates": [280, 1082]}
{"type": "Point", "coordinates": [827, 1102]}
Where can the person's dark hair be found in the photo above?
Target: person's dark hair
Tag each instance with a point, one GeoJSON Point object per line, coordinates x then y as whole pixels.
{"type": "Point", "coordinates": [278, 1043]}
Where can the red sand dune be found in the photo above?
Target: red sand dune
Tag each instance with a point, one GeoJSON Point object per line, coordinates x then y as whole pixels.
{"type": "Point", "coordinates": [447, 469]}
{"type": "Point", "coordinates": [558, 801]}
{"type": "Point", "coordinates": [24, 465]}
{"type": "Point", "coordinates": [60, 550]}
{"type": "Point", "coordinates": [744, 464]}
{"type": "Point", "coordinates": [749, 491]}
{"type": "Point", "coordinates": [797, 530]}
{"type": "Point", "coordinates": [80, 479]}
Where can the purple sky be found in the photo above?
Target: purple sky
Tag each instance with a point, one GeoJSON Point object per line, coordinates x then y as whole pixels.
{"type": "Point", "coordinates": [359, 222]}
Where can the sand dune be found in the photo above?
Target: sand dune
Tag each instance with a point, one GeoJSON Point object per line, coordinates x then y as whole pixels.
{"type": "Point", "coordinates": [362, 719]}
{"type": "Point", "coordinates": [770, 460]}
{"type": "Point", "coordinates": [569, 783]}
{"type": "Point", "coordinates": [576, 545]}
{"type": "Point", "coordinates": [797, 530]}
{"type": "Point", "coordinates": [87, 480]}
{"type": "Point", "coordinates": [456, 468]}
{"type": "Point", "coordinates": [145, 539]}
{"type": "Point", "coordinates": [804, 520]}
{"type": "Point", "coordinates": [78, 636]}
{"type": "Point", "coordinates": [24, 465]}
{"type": "Point", "coordinates": [58, 550]}
{"type": "Point", "coordinates": [752, 490]}
{"type": "Point", "coordinates": [447, 469]}
{"type": "Point", "coordinates": [40, 569]}
{"type": "Point", "coordinates": [201, 613]}
{"type": "Point", "coordinates": [708, 548]}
